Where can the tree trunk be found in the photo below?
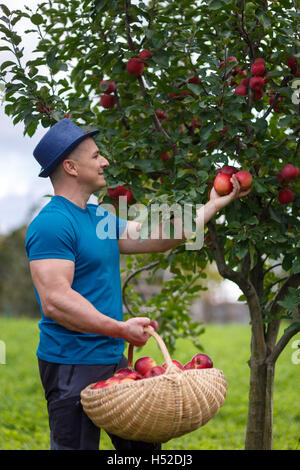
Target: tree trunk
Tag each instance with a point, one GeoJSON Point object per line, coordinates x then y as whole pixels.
{"type": "Point", "coordinates": [259, 434]}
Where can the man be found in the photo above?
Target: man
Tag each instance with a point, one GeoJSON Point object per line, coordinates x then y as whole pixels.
{"type": "Point", "coordinates": [76, 277]}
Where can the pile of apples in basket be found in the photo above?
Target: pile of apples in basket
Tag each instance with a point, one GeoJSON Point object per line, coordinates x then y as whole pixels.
{"type": "Point", "coordinates": [146, 367]}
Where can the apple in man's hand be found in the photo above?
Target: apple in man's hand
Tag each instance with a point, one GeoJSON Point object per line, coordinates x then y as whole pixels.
{"type": "Point", "coordinates": [227, 170]}
{"type": "Point", "coordinates": [245, 179]}
{"type": "Point", "coordinates": [222, 184]}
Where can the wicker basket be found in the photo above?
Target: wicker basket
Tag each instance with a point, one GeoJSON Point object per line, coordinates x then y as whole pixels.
{"type": "Point", "coordinates": [159, 408]}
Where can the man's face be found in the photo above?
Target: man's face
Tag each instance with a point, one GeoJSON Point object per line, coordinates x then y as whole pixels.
{"type": "Point", "coordinates": [90, 165]}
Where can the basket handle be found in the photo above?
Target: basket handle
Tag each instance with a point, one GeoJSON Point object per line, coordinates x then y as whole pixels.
{"type": "Point", "coordinates": [160, 342]}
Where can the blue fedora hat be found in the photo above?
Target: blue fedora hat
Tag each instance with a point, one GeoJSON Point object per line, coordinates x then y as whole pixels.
{"type": "Point", "coordinates": [57, 144]}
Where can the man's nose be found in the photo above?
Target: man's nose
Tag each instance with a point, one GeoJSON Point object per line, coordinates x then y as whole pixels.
{"type": "Point", "coordinates": [104, 163]}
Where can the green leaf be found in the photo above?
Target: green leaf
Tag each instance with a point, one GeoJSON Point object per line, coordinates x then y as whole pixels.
{"type": "Point", "coordinates": [162, 58]}
{"type": "Point", "coordinates": [100, 4]}
{"type": "Point", "coordinates": [36, 19]}
{"type": "Point", "coordinates": [5, 10]}
{"type": "Point", "coordinates": [259, 187]}
{"type": "Point", "coordinates": [276, 215]}
{"type": "Point", "coordinates": [215, 5]}
{"type": "Point", "coordinates": [6, 64]}
{"type": "Point", "coordinates": [51, 57]}
{"type": "Point", "coordinates": [291, 300]}
{"type": "Point", "coordinates": [265, 20]}
{"type": "Point", "coordinates": [287, 262]}
{"type": "Point", "coordinates": [296, 266]}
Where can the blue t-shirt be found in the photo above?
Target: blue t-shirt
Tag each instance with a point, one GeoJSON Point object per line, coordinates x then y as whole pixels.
{"type": "Point", "coordinates": [89, 238]}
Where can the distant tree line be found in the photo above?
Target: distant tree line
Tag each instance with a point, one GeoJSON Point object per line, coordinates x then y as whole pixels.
{"type": "Point", "coordinates": [17, 297]}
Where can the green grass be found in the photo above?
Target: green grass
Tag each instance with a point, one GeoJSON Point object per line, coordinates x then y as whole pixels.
{"type": "Point", "coordinates": [23, 413]}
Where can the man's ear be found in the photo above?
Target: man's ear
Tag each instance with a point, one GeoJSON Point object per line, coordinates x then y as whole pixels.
{"type": "Point", "coordinates": [70, 166]}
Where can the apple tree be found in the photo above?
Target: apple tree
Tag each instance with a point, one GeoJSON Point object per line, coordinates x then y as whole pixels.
{"type": "Point", "coordinates": [179, 90]}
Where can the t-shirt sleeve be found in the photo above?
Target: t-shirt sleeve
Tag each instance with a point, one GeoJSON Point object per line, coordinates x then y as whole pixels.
{"type": "Point", "coordinates": [50, 236]}
{"type": "Point", "coordinates": [109, 225]}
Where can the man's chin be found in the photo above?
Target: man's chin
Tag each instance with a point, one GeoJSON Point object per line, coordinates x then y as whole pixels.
{"type": "Point", "coordinates": [100, 186]}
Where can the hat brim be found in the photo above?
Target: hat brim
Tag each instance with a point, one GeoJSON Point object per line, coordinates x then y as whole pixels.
{"type": "Point", "coordinates": [45, 172]}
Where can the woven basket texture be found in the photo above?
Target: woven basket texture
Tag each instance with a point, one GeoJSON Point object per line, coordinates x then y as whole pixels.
{"type": "Point", "coordinates": [159, 408]}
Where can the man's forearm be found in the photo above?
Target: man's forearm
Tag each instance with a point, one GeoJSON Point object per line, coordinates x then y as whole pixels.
{"type": "Point", "coordinates": [203, 215]}
{"type": "Point", "coordinates": [73, 311]}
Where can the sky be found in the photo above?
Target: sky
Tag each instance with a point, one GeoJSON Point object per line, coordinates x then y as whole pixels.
{"type": "Point", "coordinates": [22, 192]}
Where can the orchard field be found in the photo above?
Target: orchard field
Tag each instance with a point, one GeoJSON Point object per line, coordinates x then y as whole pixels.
{"type": "Point", "coordinates": [23, 416]}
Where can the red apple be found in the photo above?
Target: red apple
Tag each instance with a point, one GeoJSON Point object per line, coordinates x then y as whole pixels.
{"type": "Point", "coordinates": [145, 54]}
{"type": "Point", "coordinates": [154, 371]}
{"type": "Point", "coordinates": [122, 372]}
{"type": "Point", "coordinates": [135, 66]}
{"type": "Point", "coordinates": [244, 178]}
{"type": "Point", "coordinates": [143, 364]}
{"type": "Point", "coordinates": [229, 59]}
{"type": "Point", "coordinates": [297, 72]}
{"type": "Point", "coordinates": [222, 131]}
{"type": "Point", "coordinates": [165, 156]}
{"type": "Point", "coordinates": [194, 80]}
{"type": "Point", "coordinates": [110, 87]}
{"type": "Point", "coordinates": [176, 363]}
{"type": "Point", "coordinates": [107, 101]}
{"type": "Point", "coordinates": [241, 90]}
{"type": "Point", "coordinates": [258, 68]}
{"type": "Point", "coordinates": [120, 191]}
{"type": "Point", "coordinates": [126, 379]}
{"type": "Point", "coordinates": [201, 361]}
{"type": "Point", "coordinates": [245, 82]}
{"type": "Point", "coordinates": [101, 384]}
{"type": "Point", "coordinates": [161, 114]}
{"type": "Point", "coordinates": [134, 375]}
{"type": "Point", "coordinates": [290, 172]}
{"type": "Point", "coordinates": [116, 192]}
{"type": "Point", "coordinates": [188, 366]}
{"type": "Point", "coordinates": [227, 170]}
{"type": "Point", "coordinates": [112, 381]}
{"type": "Point", "coordinates": [260, 60]}
{"type": "Point", "coordinates": [285, 196]}
{"type": "Point", "coordinates": [257, 83]}
{"type": "Point", "coordinates": [222, 184]}
{"type": "Point", "coordinates": [129, 196]}
{"type": "Point", "coordinates": [292, 64]}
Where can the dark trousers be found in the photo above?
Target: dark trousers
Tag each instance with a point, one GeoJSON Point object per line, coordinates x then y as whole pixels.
{"type": "Point", "coordinates": [70, 427]}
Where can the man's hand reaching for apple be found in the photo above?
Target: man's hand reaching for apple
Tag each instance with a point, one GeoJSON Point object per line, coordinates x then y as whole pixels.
{"type": "Point", "coordinates": [221, 201]}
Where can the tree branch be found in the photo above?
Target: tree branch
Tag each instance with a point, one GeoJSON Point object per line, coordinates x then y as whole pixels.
{"type": "Point", "coordinates": [285, 338]}
{"type": "Point", "coordinates": [131, 276]}
{"type": "Point", "coordinates": [127, 27]}
{"type": "Point", "coordinates": [274, 308]}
